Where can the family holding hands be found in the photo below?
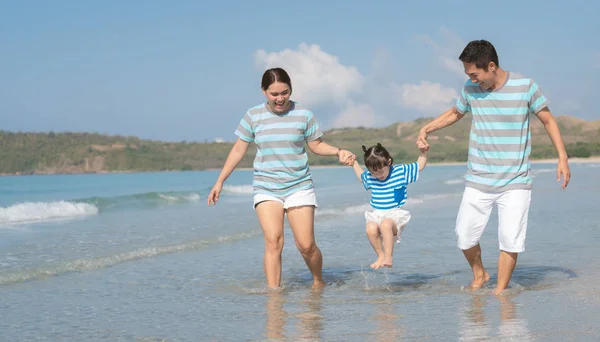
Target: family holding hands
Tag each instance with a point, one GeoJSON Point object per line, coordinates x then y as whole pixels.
{"type": "Point", "coordinates": [501, 104]}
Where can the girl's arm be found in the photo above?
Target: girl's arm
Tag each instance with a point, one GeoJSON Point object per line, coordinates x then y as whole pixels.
{"type": "Point", "coordinates": [422, 160]}
{"type": "Point", "coordinates": [358, 170]}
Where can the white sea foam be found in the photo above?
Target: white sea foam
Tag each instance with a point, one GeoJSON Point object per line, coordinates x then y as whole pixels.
{"type": "Point", "coordinates": [361, 208]}
{"type": "Point", "coordinates": [181, 197]}
{"type": "Point", "coordinates": [87, 264]}
{"type": "Point", "coordinates": [454, 181]}
{"type": "Point", "coordinates": [238, 189]}
{"type": "Point", "coordinates": [43, 211]}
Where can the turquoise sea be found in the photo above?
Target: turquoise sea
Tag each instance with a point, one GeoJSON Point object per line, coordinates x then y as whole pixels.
{"type": "Point", "coordinates": [141, 257]}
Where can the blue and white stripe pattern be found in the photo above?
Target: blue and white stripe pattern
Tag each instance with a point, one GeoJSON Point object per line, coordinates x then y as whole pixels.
{"type": "Point", "coordinates": [391, 192]}
{"type": "Point", "coordinates": [281, 162]}
{"type": "Point", "coordinates": [500, 138]}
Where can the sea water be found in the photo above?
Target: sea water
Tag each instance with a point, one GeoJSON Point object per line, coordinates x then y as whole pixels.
{"type": "Point", "coordinates": [141, 257]}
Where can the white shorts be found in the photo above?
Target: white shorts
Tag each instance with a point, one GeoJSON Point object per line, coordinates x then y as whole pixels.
{"type": "Point", "coordinates": [398, 215]}
{"type": "Point", "coordinates": [296, 199]}
{"type": "Point", "coordinates": [474, 213]}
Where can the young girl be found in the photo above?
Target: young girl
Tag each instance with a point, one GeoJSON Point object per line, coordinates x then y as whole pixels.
{"type": "Point", "coordinates": [387, 182]}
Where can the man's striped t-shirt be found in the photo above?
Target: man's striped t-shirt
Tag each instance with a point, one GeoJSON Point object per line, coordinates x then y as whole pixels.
{"type": "Point", "coordinates": [281, 163]}
{"type": "Point", "coordinates": [391, 192]}
{"type": "Point", "coordinates": [500, 137]}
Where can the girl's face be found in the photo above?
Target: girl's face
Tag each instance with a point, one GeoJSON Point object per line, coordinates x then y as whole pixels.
{"type": "Point", "coordinates": [278, 97]}
{"type": "Point", "coordinates": [382, 173]}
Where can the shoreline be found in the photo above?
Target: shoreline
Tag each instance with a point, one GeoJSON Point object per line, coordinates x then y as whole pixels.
{"type": "Point", "coordinates": [590, 160]}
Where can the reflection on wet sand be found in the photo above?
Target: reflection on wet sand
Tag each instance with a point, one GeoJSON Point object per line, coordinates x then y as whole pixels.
{"type": "Point", "coordinates": [276, 316]}
{"type": "Point", "coordinates": [309, 317]}
{"type": "Point", "coordinates": [511, 326]}
{"type": "Point", "coordinates": [386, 322]}
{"type": "Point", "coordinates": [310, 320]}
{"type": "Point", "coordinates": [474, 325]}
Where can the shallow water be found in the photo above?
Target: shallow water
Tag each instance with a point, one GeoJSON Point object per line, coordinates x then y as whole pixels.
{"type": "Point", "coordinates": [141, 257]}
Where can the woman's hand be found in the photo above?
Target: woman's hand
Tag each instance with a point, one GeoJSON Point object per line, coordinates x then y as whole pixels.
{"type": "Point", "coordinates": [346, 157]}
{"type": "Point", "coordinates": [213, 197]}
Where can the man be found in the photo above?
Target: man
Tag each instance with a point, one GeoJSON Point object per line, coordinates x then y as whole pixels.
{"type": "Point", "coordinates": [498, 171]}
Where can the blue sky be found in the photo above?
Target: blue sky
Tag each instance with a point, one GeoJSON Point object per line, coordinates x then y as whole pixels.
{"type": "Point", "coordinates": [188, 70]}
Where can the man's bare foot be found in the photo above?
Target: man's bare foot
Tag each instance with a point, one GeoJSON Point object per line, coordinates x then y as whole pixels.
{"type": "Point", "coordinates": [378, 263]}
{"type": "Point", "coordinates": [478, 282]}
{"type": "Point", "coordinates": [318, 284]}
{"type": "Point", "coordinates": [387, 262]}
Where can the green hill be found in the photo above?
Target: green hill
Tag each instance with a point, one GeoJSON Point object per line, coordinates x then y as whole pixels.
{"type": "Point", "coordinates": [48, 153]}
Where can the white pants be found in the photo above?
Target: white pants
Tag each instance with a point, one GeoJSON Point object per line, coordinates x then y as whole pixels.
{"type": "Point", "coordinates": [474, 213]}
{"type": "Point", "coordinates": [296, 199]}
{"type": "Point", "coordinates": [398, 215]}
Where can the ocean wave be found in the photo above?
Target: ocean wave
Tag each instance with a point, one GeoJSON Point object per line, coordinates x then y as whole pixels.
{"type": "Point", "coordinates": [142, 199]}
{"type": "Point", "coordinates": [88, 264]}
{"type": "Point", "coordinates": [181, 198]}
{"type": "Point", "coordinates": [534, 171]}
{"type": "Point", "coordinates": [351, 210]}
{"type": "Point", "coordinates": [454, 181]}
{"type": "Point", "coordinates": [434, 197]}
{"type": "Point", "coordinates": [361, 208]}
{"type": "Point", "coordinates": [34, 212]}
{"type": "Point", "coordinates": [29, 212]}
{"type": "Point", "coordinates": [238, 189]}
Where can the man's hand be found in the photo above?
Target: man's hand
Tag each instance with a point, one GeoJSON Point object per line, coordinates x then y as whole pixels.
{"type": "Point", "coordinates": [422, 140]}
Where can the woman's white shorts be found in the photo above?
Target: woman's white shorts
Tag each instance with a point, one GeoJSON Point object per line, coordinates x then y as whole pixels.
{"type": "Point", "coordinates": [295, 199]}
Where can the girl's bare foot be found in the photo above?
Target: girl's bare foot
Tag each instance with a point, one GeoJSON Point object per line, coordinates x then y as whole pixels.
{"type": "Point", "coordinates": [387, 262]}
{"type": "Point", "coordinates": [378, 263]}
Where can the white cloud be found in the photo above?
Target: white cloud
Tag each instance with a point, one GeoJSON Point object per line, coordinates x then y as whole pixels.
{"type": "Point", "coordinates": [447, 50]}
{"type": "Point", "coordinates": [426, 97]}
{"type": "Point", "coordinates": [356, 115]}
{"type": "Point", "coordinates": [317, 77]}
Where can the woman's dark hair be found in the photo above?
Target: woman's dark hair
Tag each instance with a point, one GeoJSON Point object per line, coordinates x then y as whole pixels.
{"type": "Point", "coordinates": [275, 75]}
{"type": "Point", "coordinates": [377, 157]}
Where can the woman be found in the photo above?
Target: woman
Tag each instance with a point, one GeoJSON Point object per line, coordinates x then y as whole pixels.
{"type": "Point", "coordinates": [282, 179]}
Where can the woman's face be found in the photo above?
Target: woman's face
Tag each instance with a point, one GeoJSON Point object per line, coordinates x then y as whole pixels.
{"type": "Point", "coordinates": [278, 97]}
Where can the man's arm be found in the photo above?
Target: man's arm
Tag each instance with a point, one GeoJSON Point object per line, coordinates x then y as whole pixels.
{"type": "Point", "coordinates": [553, 131]}
{"type": "Point", "coordinates": [446, 119]}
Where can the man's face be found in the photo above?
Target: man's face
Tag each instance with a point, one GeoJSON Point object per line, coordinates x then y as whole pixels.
{"type": "Point", "coordinates": [485, 79]}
